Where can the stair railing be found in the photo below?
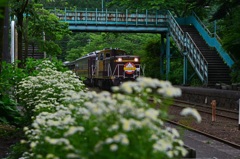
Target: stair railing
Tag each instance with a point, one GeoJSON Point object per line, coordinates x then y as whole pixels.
{"type": "Point", "coordinates": [176, 32]}
{"type": "Point", "coordinates": [211, 41]}
{"type": "Point", "coordinates": [196, 58]}
{"type": "Point", "coordinates": [186, 44]}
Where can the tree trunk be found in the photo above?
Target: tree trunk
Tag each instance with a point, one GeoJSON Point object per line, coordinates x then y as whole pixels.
{"type": "Point", "coordinates": [20, 39]}
{"type": "Point", "coordinates": [26, 43]}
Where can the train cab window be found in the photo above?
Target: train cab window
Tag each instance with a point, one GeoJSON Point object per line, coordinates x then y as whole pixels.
{"type": "Point", "coordinates": [108, 54]}
{"type": "Point", "coordinates": [101, 56]}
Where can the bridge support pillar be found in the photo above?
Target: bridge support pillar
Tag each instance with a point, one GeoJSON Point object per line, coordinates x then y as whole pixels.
{"type": "Point", "coordinates": [185, 68]}
{"type": "Point", "coordinates": [167, 55]}
{"type": "Point", "coordinates": [162, 56]}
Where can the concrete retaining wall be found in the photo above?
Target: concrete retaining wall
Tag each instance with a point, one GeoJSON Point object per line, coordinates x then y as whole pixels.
{"type": "Point", "coordinates": [225, 98]}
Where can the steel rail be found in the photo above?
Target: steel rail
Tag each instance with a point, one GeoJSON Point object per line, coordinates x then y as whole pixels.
{"type": "Point", "coordinates": [205, 134]}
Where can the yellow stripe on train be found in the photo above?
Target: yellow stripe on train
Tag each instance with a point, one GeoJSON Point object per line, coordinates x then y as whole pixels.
{"type": "Point", "coordinates": [125, 61]}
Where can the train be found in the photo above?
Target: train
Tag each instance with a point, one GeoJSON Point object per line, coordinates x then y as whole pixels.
{"type": "Point", "coordinates": [106, 68]}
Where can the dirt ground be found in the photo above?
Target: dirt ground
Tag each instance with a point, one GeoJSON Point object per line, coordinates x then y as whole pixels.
{"type": "Point", "coordinates": [9, 135]}
{"type": "Point", "coordinates": [222, 128]}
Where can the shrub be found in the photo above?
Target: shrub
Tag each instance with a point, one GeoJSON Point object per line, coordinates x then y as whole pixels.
{"type": "Point", "coordinates": [10, 76]}
{"type": "Point", "coordinates": [121, 125]}
{"type": "Point", "coordinates": [47, 87]}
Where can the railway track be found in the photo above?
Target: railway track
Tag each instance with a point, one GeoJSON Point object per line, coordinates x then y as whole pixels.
{"type": "Point", "coordinates": [225, 129]}
{"type": "Point", "coordinates": [229, 114]}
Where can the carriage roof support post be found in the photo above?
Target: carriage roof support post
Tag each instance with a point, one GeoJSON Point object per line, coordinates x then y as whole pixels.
{"type": "Point", "coordinates": [167, 55]}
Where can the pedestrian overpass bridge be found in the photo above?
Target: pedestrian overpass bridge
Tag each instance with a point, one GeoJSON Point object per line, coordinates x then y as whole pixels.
{"type": "Point", "coordinates": [162, 22]}
{"type": "Point", "coordinates": [115, 21]}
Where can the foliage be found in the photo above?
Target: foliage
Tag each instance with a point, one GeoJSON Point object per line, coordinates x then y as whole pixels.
{"type": "Point", "coordinates": [176, 71]}
{"type": "Point", "coordinates": [8, 111]}
{"type": "Point", "coordinates": [53, 29]}
{"type": "Point", "coordinates": [152, 54]}
{"type": "Point", "coordinates": [76, 46]}
{"type": "Point", "coordinates": [235, 74]}
{"type": "Point", "coordinates": [72, 4]}
{"type": "Point", "coordinates": [82, 43]}
{"type": "Point", "coordinates": [3, 3]}
{"type": "Point", "coordinates": [186, 6]}
{"type": "Point", "coordinates": [10, 76]}
{"type": "Point", "coordinates": [32, 22]}
{"type": "Point", "coordinates": [225, 8]}
{"type": "Point", "coordinates": [231, 35]}
{"type": "Point", "coordinates": [75, 53]}
{"type": "Point", "coordinates": [227, 16]}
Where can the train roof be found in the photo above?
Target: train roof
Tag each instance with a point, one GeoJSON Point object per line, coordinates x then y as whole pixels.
{"type": "Point", "coordinates": [93, 54]}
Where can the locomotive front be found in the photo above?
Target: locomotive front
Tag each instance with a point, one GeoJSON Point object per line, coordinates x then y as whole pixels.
{"type": "Point", "coordinates": [123, 67]}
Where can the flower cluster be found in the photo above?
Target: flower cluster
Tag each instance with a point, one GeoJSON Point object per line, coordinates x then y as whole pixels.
{"type": "Point", "coordinates": [103, 125]}
{"type": "Point", "coordinates": [46, 88]}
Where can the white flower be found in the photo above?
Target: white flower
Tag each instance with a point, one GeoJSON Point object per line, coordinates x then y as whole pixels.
{"type": "Point", "coordinates": [113, 147]}
{"type": "Point", "coordinates": [152, 114]}
{"type": "Point", "coordinates": [23, 141]}
{"type": "Point", "coordinates": [126, 125]}
{"type": "Point", "coordinates": [113, 127]}
{"type": "Point", "coordinates": [109, 140]}
{"type": "Point", "coordinates": [125, 141]}
{"type": "Point", "coordinates": [73, 129]}
{"type": "Point", "coordinates": [162, 145]}
{"type": "Point", "coordinates": [193, 112]}
{"type": "Point", "coordinates": [33, 144]}
{"type": "Point", "coordinates": [72, 155]}
{"type": "Point", "coordinates": [51, 156]}
{"type": "Point", "coordinates": [126, 87]}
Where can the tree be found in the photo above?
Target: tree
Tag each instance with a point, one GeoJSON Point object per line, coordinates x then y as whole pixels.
{"type": "Point", "coordinates": [227, 14]}
{"type": "Point", "coordinates": [180, 8]}
{"type": "Point", "coordinates": [91, 4]}
{"type": "Point", "coordinates": [32, 23]}
{"type": "Point", "coordinates": [43, 23]}
{"type": "Point", "coordinates": [76, 46]}
{"type": "Point", "coordinates": [18, 8]}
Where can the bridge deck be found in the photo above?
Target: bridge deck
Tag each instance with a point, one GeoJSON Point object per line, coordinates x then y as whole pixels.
{"type": "Point", "coordinates": [104, 20]}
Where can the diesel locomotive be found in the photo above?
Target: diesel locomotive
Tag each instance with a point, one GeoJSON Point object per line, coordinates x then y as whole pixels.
{"type": "Point", "coordinates": [106, 68]}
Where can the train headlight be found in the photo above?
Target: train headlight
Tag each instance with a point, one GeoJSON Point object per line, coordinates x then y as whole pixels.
{"type": "Point", "coordinates": [119, 59]}
{"type": "Point", "coordinates": [135, 59]}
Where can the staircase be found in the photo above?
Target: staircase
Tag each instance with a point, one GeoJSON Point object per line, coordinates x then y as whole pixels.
{"type": "Point", "coordinates": [206, 55]}
{"type": "Point", "coordinates": [218, 71]}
